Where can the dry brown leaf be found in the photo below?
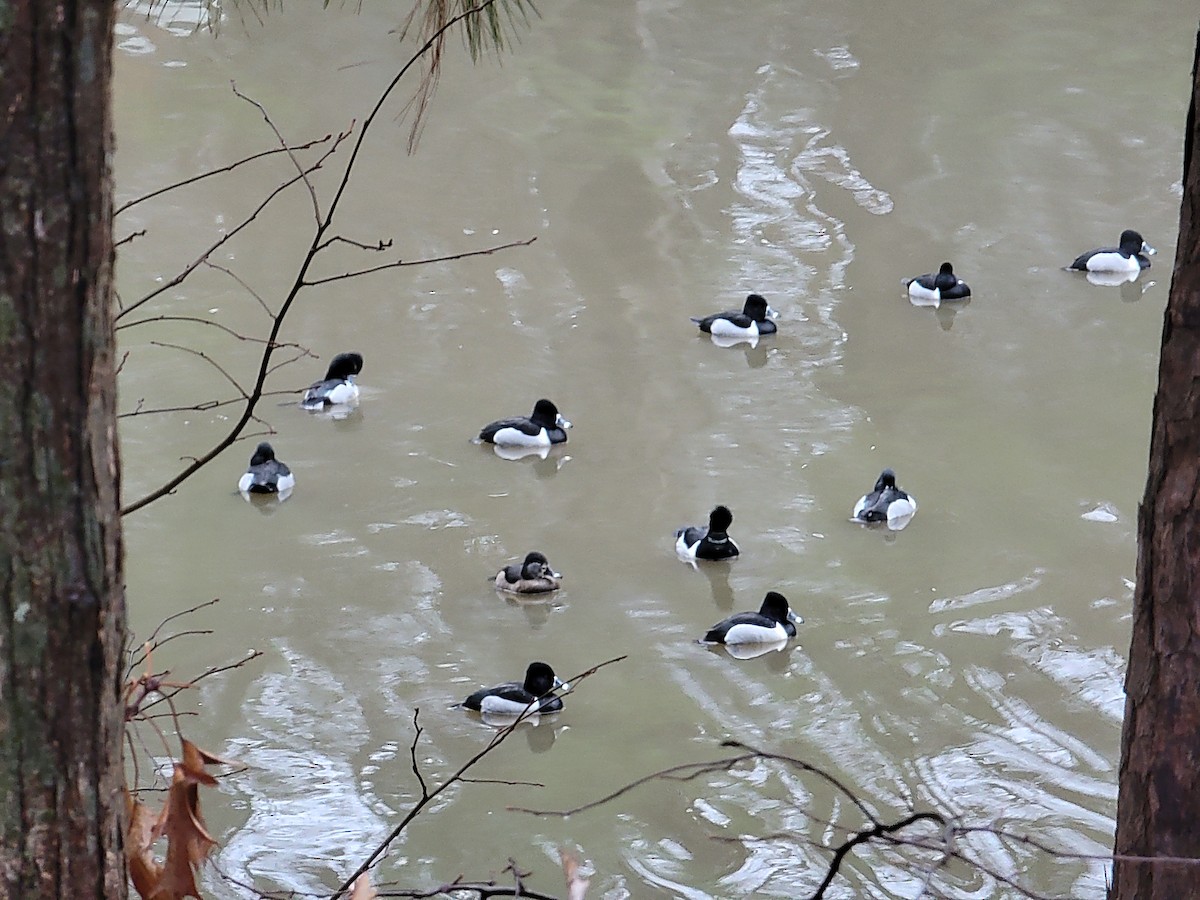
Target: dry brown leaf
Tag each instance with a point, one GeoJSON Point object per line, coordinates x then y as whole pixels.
{"type": "Point", "coordinates": [211, 759]}
{"type": "Point", "coordinates": [362, 888]}
{"type": "Point", "coordinates": [188, 840]}
{"type": "Point", "coordinates": [193, 764]}
{"type": "Point", "coordinates": [144, 869]}
{"type": "Point", "coordinates": [577, 885]}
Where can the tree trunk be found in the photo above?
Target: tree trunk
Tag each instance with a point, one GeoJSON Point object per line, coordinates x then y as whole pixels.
{"type": "Point", "coordinates": [62, 607]}
{"type": "Point", "coordinates": [1158, 807]}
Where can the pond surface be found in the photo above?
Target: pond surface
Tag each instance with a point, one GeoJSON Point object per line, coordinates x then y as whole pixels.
{"type": "Point", "coordinates": [669, 158]}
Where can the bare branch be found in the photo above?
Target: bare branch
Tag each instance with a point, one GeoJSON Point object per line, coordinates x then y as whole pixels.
{"type": "Point", "coordinates": [502, 781]}
{"type": "Point", "coordinates": [129, 238]}
{"type": "Point", "coordinates": [200, 320]}
{"type": "Point", "coordinates": [867, 834]}
{"type": "Point", "coordinates": [220, 171]}
{"type": "Point", "coordinates": [337, 238]}
{"type": "Point", "coordinates": [186, 612]}
{"type": "Point", "coordinates": [208, 359]}
{"type": "Point", "coordinates": [412, 752]}
{"type": "Point", "coordinates": [487, 251]}
{"type": "Point", "coordinates": [249, 290]}
{"type": "Point", "coordinates": [225, 238]}
{"type": "Point", "coordinates": [211, 670]}
{"type": "Point", "coordinates": [312, 192]}
{"type": "Point", "coordinates": [202, 406]}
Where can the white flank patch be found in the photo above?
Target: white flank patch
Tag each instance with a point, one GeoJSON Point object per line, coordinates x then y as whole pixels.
{"type": "Point", "coordinates": [683, 549]}
{"type": "Point", "coordinates": [346, 392]}
{"type": "Point", "coordinates": [917, 292]}
{"type": "Point", "coordinates": [515, 437]}
{"type": "Point", "coordinates": [900, 513]}
{"type": "Point", "coordinates": [755, 634]}
{"type": "Point", "coordinates": [725, 328]}
{"type": "Point", "coordinates": [1113, 262]}
{"type": "Point", "coordinates": [498, 706]}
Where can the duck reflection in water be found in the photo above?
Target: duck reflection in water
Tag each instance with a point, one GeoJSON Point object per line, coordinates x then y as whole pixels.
{"type": "Point", "coordinates": [536, 607]}
{"type": "Point", "coordinates": [718, 583]}
{"type": "Point", "coordinates": [546, 461]}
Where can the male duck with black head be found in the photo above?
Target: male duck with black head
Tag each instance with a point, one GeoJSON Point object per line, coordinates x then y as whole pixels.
{"type": "Point", "coordinates": [773, 622]}
{"type": "Point", "coordinates": [266, 474]}
{"type": "Point", "coordinates": [543, 427]}
{"type": "Point", "coordinates": [712, 543]}
{"type": "Point", "coordinates": [885, 503]}
{"type": "Point", "coordinates": [933, 288]}
{"type": "Point", "coordinates": [534, 695]}
{"type": "Point", "coordinates": [337, 388]}
{"type": "Point", "coordinates": [1131, 255]}
{"type": "Point", "coordinates": [755, 318]}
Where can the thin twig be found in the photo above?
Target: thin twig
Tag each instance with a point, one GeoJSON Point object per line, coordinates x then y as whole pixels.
{"type": "Point", "coordinates": [412, 752]}
{"type": "Point", "coordinates": [400, 263]}
{"type": "Point", "coordinates": [338, 239]}
{"type": "Point", "coordinates": [208, 359]}
{"type": "Point", "coordinates": [249, 290]}
{"type": "Point", "coordinates": [211, 670]}
{"type": "Point", "coordinates": [283, 145]}
{"type": "Point", "coordinates": [198, 320]}
{"type": "Point", "coordinates": [225, 238]}
{"type": "Point", "coordinates": [220, 171]}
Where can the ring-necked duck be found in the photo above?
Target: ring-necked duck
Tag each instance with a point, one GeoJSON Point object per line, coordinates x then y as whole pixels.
{"type": "Point", "coordinates": [266, 474]}
{"type": "Point", "coordinates": [1131, 256]}
{"type": "Point", "coordinates": [713, 542]}
{"type": "Point", "coordinates": [942, 285]}
{"type": "Point", "coordinates": [774, 621]}
{"type": "Point", "coordinates": [540, 429]}
{"type": "Point", "coordinates": [533, 576]}
{"type": "Point", "coordinates": [337, 388]}
{"type": "Point", "coordinates": [885, 503]}
{"type": "Point", "coordinates": [755, 318]}
{"type": "Point", "coordinates": [513, 698]}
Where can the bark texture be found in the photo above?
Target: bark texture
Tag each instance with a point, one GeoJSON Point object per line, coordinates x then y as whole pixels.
{"type": "Point", "coordinates": [62, 610]}
{"type": "Point", "coordinates": [1158, 807]}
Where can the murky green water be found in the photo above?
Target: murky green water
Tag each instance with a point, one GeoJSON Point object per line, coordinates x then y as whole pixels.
{"type": "Point", "coordinates": [669, 158]}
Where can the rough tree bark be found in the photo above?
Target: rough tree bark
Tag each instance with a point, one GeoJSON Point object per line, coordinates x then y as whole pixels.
{"type": "Point", "coordinates": [1158, 806]}
{"type": "Point", "coordinates": [62, 608]}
